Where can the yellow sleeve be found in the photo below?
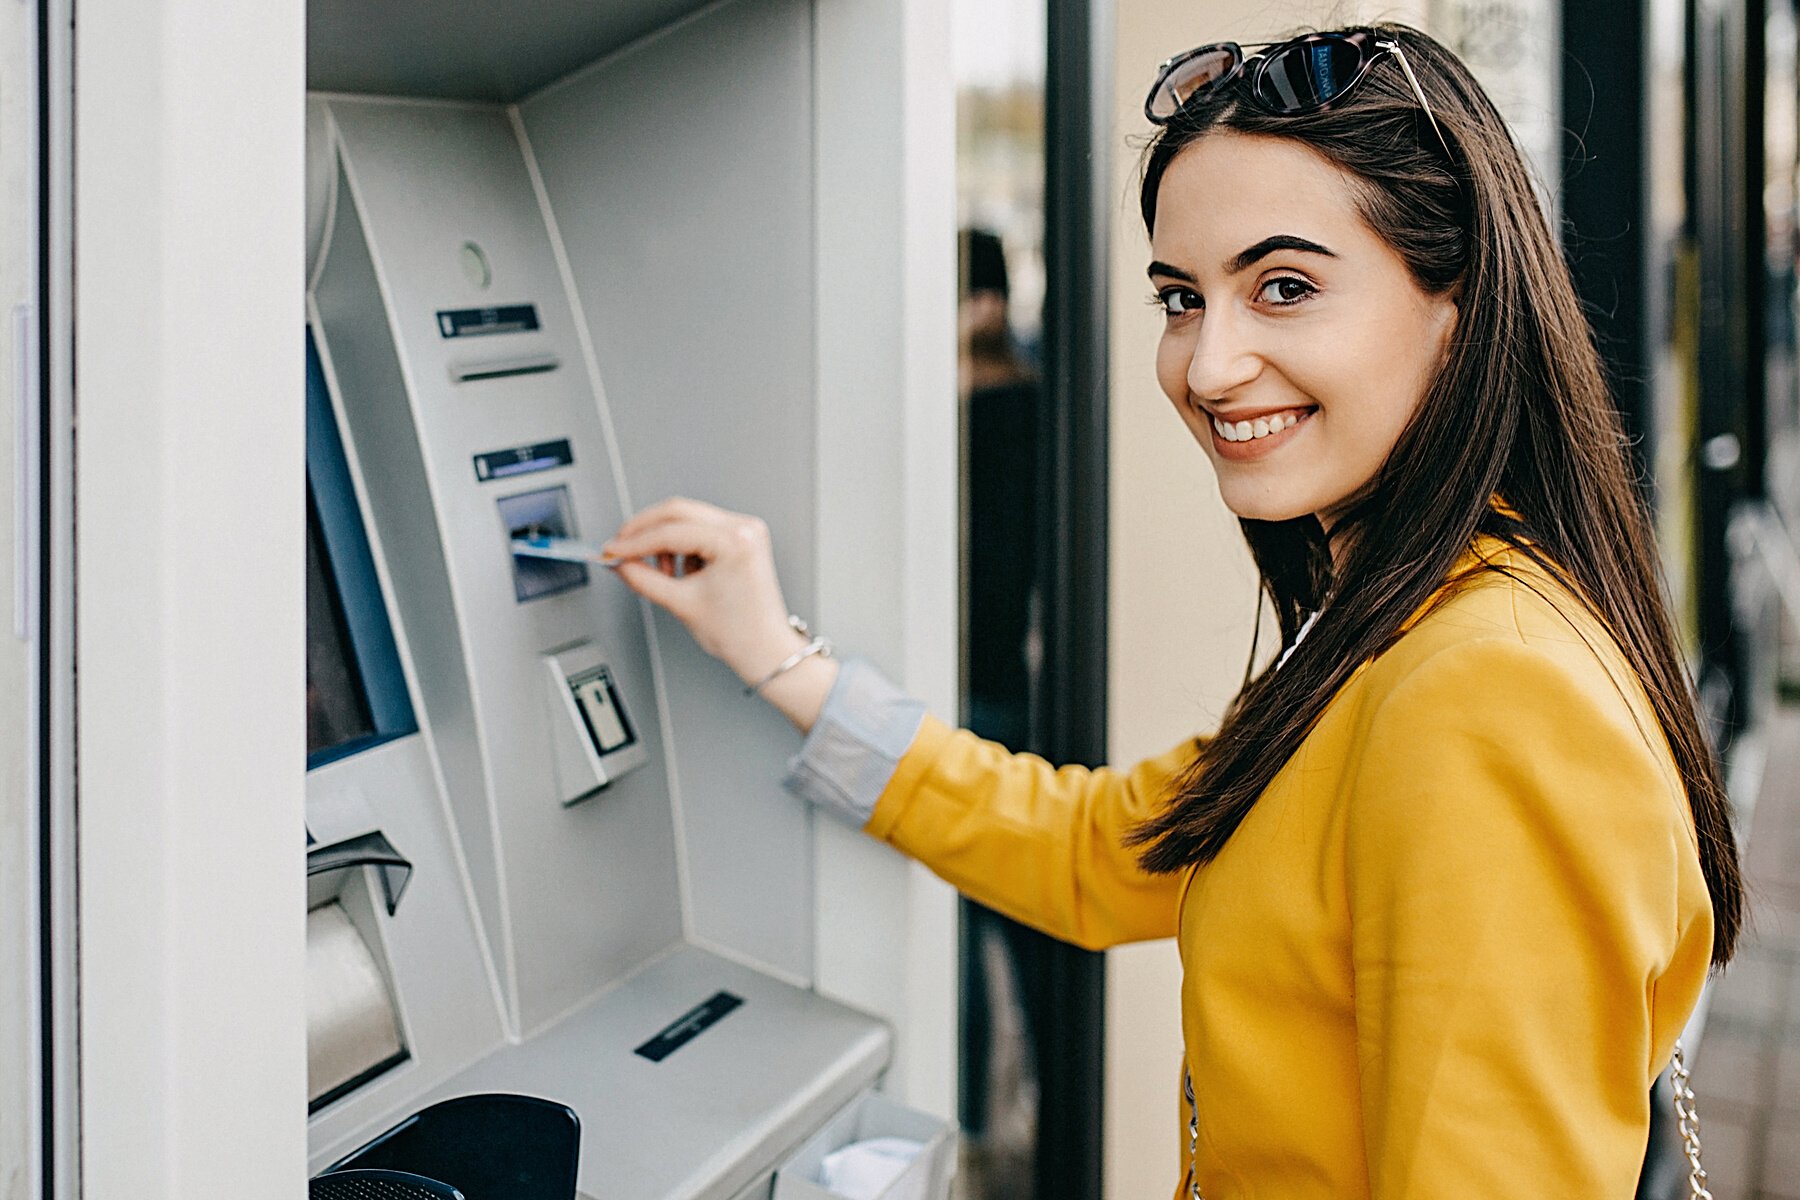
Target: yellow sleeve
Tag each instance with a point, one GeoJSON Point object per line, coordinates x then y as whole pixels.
{"type": "Point", "coordinates": [1526, 940]}
{"type": "Point", "coordinates": [1042, 845]}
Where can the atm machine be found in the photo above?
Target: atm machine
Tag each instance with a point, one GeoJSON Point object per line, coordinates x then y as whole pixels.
{"type": "Point", "coordinates": [564, 260]}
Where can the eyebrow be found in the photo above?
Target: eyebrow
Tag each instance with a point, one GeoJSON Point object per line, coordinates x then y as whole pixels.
{"type": "Point", "coordinates": [1163, 268]}
{"type": "Point", "coordinates": [1269, 245]}
{"type": "Point", "coordinates": [1252, 254]}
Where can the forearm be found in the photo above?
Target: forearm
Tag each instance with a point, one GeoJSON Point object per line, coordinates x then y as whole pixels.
{"type": "Point", "coordinates": [1046, 846]}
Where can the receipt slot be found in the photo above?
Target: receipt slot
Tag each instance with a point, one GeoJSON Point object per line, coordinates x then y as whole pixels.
{"type": "Point", "coordinates": [594, 739]}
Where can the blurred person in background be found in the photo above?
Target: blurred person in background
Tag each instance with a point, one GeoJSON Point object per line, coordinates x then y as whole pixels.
{"type": "Point", "coordinates": [1004, 976]}
{"type": "Point", "coordinates": [1001, 395]}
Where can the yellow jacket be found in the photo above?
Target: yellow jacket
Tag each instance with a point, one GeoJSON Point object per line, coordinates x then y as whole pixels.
{"type": "Point", "coordinates": [1447, 952]}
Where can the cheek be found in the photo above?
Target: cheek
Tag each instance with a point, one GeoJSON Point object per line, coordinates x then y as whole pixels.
{"type": "Point", "coordinates": [1393, 371]}
{"type": "Point", "coordinates": [1369, 384]}
{"type": "Point", "coordinates": [1173, 353]}
{"type": "Point", "coordinates": [1375, 357]}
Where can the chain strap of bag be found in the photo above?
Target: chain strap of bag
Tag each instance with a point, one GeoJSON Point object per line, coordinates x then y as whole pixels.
{"type": "Point", "coordinates": [1687, 1119]}
{"type": "Point", "coordinates": [1187, 1089]}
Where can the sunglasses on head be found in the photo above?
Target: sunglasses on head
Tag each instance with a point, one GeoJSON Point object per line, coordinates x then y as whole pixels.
{"type": "Point", "coordinates": [1303, 75]}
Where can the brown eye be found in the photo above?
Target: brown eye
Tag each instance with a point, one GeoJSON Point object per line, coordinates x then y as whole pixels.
{"type": "Point", "coordinates": [1285, 290]}
{"type": "Point", "coordinates": [1178, 302]}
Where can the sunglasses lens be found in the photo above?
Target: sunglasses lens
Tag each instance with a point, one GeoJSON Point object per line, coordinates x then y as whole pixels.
{"type": "Point", "coordinates": [1190, 77]}
{"type": "Point", "coordinates": [1308, 74]}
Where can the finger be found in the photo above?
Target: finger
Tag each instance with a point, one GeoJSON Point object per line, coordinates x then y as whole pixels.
{"type": "Point", "coordinates": [671, 537]}
{"type": "Point", "coordinates": [651, 584]}
{"type": "Point", "coordinates": [655, 517]}
{"type": "Point", "coordinates": [666, 564]}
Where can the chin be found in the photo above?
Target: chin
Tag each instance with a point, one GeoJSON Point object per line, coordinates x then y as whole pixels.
{"type": "Point", "coordinates": [1265, 503]}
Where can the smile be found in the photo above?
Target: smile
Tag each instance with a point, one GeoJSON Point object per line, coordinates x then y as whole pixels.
{"type": "Point", "coordinates": [1256, 428]}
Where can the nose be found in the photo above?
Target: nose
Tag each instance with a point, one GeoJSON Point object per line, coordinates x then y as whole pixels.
{"type": "Point", "coordinates": [1223, 357]}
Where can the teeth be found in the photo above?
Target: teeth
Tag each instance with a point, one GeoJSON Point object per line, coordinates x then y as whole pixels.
{"type": "Point", "coordinates": [1261, 427]}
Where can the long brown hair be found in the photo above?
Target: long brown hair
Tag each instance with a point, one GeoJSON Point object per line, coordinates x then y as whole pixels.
{"type": "Point", "coordinates": [1520, 410]}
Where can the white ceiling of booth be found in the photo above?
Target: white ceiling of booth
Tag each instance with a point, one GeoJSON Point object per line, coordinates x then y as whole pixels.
{"type": "Point", "coordinates": [469, 49]}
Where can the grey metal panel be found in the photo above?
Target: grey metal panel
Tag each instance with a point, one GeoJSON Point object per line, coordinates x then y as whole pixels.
{"type": "Point", "coordinates": [681, 179]}
{"type": "Point", "coordinates": [579, 895]}
{"type": "Point", "coordinates": [714, 1116]}
{"type": "Point", "coordinates": [466, 51]}
{"type": "Point", "coordinates": [440, 978]}
{"type": "Point", "coordinates": [761, 1189]}
{"type": "Point", "coordinates": [321, 182]}
{"type": "Point", "coordinates": [354, 333]}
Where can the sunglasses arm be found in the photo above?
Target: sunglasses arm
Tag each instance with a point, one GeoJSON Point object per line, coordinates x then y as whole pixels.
{"type": "Point", "coordinates": [1419, 94]}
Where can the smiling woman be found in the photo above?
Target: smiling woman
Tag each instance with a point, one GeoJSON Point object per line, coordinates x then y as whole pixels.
{"type": "Point", "coordinates": [1448, 878]}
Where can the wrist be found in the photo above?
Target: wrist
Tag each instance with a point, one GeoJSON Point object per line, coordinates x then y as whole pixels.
{"type": "Point", "coordinates": [799, 694]}
{"type": "Point", "coordinates": [770, 651]}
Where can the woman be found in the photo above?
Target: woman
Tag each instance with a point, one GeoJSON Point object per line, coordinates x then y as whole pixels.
{"type": "Point", "coordinates": [1448, 879]}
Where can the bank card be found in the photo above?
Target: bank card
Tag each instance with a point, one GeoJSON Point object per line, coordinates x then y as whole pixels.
{"type": "Point", "coordinates": [563, 549]}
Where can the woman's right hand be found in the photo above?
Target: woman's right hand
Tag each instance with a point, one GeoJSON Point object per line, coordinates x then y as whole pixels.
{"type": "Point", "coordinates": [715, 571]}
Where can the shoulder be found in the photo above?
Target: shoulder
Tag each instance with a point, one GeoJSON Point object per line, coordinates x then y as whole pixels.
{"type": "Point", "coordinates": [1511, 684]}
{"type": "Point", "coordinates": [1507, 623]}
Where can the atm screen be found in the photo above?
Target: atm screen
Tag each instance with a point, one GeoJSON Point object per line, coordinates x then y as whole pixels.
{"type": "Point", "coordinates": [601, 711]}
{"type": "Point", "coordinates": [337, 706]}
{"type": "Point", "coordinates": [355, 691]}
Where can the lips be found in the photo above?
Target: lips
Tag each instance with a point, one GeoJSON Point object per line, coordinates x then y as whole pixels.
{"type": "Point", "coordinates": [1262, 434]}
{"type": "Point", "coordinates": [1249, 428]}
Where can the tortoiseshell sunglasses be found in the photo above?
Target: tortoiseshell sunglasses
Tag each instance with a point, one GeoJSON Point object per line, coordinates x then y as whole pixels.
{"type": "Point", "coordinates": [1306, 74]}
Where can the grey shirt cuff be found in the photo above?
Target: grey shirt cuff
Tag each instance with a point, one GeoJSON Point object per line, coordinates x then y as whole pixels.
{"type": "Point", "coordinates": [847, 759]}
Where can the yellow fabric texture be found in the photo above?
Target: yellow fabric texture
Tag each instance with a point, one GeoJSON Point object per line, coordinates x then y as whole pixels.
{"type": "Point", "coordinates": [1449, 949]}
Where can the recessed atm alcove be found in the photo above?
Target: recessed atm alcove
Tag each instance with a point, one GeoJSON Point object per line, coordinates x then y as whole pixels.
{"type": "Point", "coordinates": [563, 261]}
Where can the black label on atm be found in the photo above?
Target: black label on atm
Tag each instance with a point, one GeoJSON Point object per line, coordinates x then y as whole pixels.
{"type": "Point", "coordinates": [523, 460]}
{"type": "Point", "coordinates": [468, 322]}
{"type": "Point", "coordinates": [689, 1025]}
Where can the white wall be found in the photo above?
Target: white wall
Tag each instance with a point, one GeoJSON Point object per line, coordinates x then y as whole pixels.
{"type": "Point", "coordinates": [190, 372]}
{"type": "Point", "coordinates": [19, 1103]}
{"type": "Point", "coordinates": [886, 928]}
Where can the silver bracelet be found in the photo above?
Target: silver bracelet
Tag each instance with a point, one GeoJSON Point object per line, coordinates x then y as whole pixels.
{"type": "Point", "coordinates": [817, 645]}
